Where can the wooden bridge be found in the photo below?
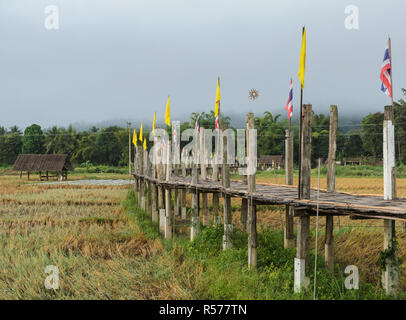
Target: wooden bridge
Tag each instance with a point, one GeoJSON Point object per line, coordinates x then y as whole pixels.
{"type": "Point", "coordinates": [328, 203]}
{"type": "Point", "coordinates": [157, 185]}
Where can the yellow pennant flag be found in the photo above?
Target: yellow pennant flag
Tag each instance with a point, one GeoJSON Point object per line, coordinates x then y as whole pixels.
{"type": "Point", "coordinates": [168, 113]}
{"type": "Point", "coordinates": [140, 133]}
{"type": "Point", "coordinates": [135, 138]}
{"type": "Point", "coordinates": [218, 98]}
{"type": "Point", "coordinates": [302, 62]}
{"type": "Point", "coordinates": [153, 123]}
{"type": "Point", "coordinates": [145, 144]}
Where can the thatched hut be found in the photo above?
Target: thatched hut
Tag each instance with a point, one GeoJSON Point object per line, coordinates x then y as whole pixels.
{"type": "Point", "coordinates": [58, 164]}
{"type": "Point", "coordinates": [270, 161]}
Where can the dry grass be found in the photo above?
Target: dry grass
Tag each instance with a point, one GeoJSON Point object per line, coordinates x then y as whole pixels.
{"type": "Point", "coordinates": [99, 250]}
{"type": "Point", "coordinates": [101, 253]}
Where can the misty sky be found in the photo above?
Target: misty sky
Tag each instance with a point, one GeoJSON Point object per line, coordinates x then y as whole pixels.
{"type": "Point", "coordinates": [119, 59]}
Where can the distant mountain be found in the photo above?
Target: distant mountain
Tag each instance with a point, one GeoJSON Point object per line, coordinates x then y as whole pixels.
{"type": "Point", "coordinates": [345, 122]}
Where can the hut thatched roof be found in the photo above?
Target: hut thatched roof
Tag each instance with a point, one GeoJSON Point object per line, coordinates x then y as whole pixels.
{"type": "Point", "coordinates": [42, 162]}
{"type": "Point", "coordinates": [267, 159]}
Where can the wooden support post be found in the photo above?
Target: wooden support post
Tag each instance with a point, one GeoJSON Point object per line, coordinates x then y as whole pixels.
{"type": "Point", "coordinates": [195, 224]}
{"type": "Point", "coordinates": [155, 208]}
{"type": "Point", "coordinates": [162, 221]}
{"type": "Point", "coordinates": [252, 211]}
{"type": "Point", "coordinates": [252, 235]}
{"type": "Point", "coordinates": [183, 195]}
{"type": "Point", "coordinates": [306, 151]}
{"type": "Point", "coordinates": [161, 197]}
{"type": "Point", "coordinates": [136, 171]}
{"type": "Point", "coordinates": [154, 174]}
{"type": "Point", "coordinates": [390, 276]}
{"type": "Point", "coordinates": [244, 212]}
{"type": "Point", "coordinates": [147, 173]}
{"type": "Point", "coordinates": [245, 177]}
{"type": "Point", "coordinates": [302, 243]}
{"type": "Point", "coordinates": [215, 204]}
{"type": "Point", "coordinates": [214, 177]}
{"type": "Point", "coordinates": [142, 181]}
{"type": "Point", "coordinates": [302, 253]}
{"type": "Point", "coordinates": [228, 226]}
{"type": "Point", "coordinates": [149, 198]}
{"type": "Point", "coordinates": [168, 195]}
{"type": "Point", "coordinates": [183, 201]}
{"type": "Point", "coordinates": [169, 214]}
{"type": "Point", "coordinates": [161, 190]}
{"type": "Point", "coordinates": [203, 175]}
{"type": "Point", "coordinates": [331, 187]}
{"type": "Point", "coordinates": [205, 209]}
{"type": "Point", "coordinates": [289, 241]}
{"type": "Point", "coordinates": [176, 200]}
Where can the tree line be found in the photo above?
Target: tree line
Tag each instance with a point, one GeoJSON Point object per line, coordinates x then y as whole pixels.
{"type": "Point", "coordinates": [109, 146]}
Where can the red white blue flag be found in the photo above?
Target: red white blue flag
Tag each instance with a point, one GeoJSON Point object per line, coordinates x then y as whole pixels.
{"type": "Point", "coordinates": [197, 124]}
{"type": "Point", "coordinates": [289, 104]}
{"type": "Point", "coordinates": [385, 76]}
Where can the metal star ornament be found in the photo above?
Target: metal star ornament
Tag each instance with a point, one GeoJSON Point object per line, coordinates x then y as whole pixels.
{"type": "Point", "coordinates": [253, 94]}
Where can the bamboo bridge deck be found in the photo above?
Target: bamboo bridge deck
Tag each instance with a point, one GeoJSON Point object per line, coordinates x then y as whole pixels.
{"type": "Point", "coordinates": [330, 203]}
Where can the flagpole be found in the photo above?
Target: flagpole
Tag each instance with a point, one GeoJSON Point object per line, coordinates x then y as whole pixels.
{"type": "Point", "coordinates": [220, 126]}
{"type": "Point", "coordinates": [300, 143]}
{"type": "Point", "coordinates": [218, 132]}
{"type": "Point", "coordinates": [392, 100]}
{"type": "Point", "coordinates": [300, 130]}
{"type": "Point", "coordinates": [391, 68]}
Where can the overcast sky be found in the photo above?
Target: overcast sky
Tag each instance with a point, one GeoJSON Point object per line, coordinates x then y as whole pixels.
{"type": "Point", "coordinates": [119, 59]}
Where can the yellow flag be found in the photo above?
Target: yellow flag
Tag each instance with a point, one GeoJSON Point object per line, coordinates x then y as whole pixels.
{"type": "Point", "coordinates": [218, 98]}
{"type": "Point", "coordinates": [145, 144]}
{"type": "Point", "coordinates": [302, 63]}
{"type": "Point", "coordinates": [168, 113]}
{"type": "Point", "coordinates": [153, 123]}
{"type": "Point", "coordinates": [140, 133]}
{"type": "Point", "coordinates": [135, 138]}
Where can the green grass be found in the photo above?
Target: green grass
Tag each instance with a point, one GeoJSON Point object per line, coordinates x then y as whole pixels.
{"type": "Point", "coordinates": [225, 275]}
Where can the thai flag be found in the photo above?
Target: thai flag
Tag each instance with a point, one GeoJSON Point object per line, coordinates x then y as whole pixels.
{"type": "Point", "coordinates": [385, 76]}
{"type": "Point", "coordinates": [197, 124]}
{"type": "Point", "coordinates": [289, 104]}
{"type": "Point", "coordinates": [217, 123]}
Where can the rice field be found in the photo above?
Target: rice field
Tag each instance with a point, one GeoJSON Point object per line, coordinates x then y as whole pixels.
{"type": "Point", "coordinates": [83, 230]}
{"type": "Point", "coordinates": [101, 253]}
